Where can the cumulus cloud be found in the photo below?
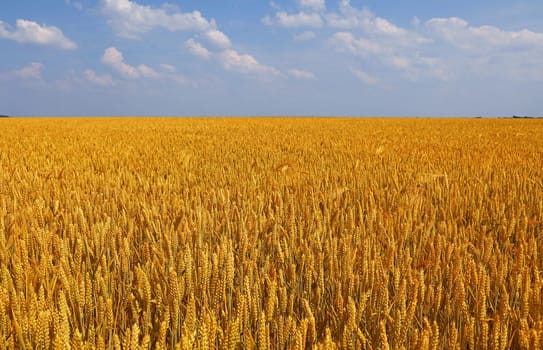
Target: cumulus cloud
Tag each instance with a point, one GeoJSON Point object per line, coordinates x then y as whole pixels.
{"type": "Point", "coordinates": [217, 38]}
{"type": "Point", "coordinates": [391, 53]}
{"type": "Point", "coordinates": [410, 62]}
{"type": "Point", "coordinates": [168, 67]}
{"type": "Point", "coordinates": [413, 51]}
{"type": "Point", "coordinates": [382, 26]}
{"type": "Point", "coordinates": [244, 63]}
{"type": "Point", "coordinates": [309, 16]}
{"type": "Point", "coordinates": [130, 19]}
{"type": "Point", "coordinates": [372, 25]}
{"type": "Point", "coordinates": [488, 50]}
{"type": "Point", "coordinates": [102, 80]}
{"type": "Point", "coordinates": [345, 18]}
{"type": "Point", "coordinates": [459, 33]}
{"type": "Point", "coordinates": [300, 19]}
{"type": "Point", "coordinates": [28, 32]}
{"type": "Point", "coordinates": [303, 36]}
{"type": "Point", "coordinates": [346, 41]}
{"type": "Point", "coordinates": [301, 74]}
{"type": "Point", "coordinates": [147, 72]}
{"type": "Point", "coordinates": [31, 71]}
{"type": "Point", "coordinates": [114, 58]}
{"type": "Point", "coordinates": [197, 49]}
{"type": "Point", "coordinates": [365, 35]}
{"type": "Point", "coordinates": [349, 17]}
{"type": "Point", "coordinates": [231, 60]}
{"type": "Point", "coordinates": [364, 77]}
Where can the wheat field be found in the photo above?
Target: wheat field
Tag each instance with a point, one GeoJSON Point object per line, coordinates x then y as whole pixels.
{"type": "Point", "coordinates": [271, 233]}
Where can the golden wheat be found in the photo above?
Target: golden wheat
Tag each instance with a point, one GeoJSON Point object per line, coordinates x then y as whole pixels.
{"type": "Point", "coordinates": [271, 234]}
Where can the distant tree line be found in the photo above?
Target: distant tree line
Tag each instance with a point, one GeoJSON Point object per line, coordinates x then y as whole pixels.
{"type": "Point", "coordinates": [513, 117]}
{"type": "Point", "coordinates": [524, 117]}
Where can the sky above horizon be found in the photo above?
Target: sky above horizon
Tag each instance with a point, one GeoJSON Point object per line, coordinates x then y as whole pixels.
{"type": "Point", "coordinates": [282, 57]}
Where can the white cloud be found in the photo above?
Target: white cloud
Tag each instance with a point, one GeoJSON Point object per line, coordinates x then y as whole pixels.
{"type": "Point", "coordinates": [28, 32]}
{"type": "Point", "coordinates": [382, 26]}
{"type": "Point", "coordinates": [440, 48]}
{"type": "Point", "coordinates": [488, 50]}
{"type": "Point", "coordinates": [244, 63]}
{"type": "Point", "coordinates": [460, 34]}
{"type": "Point", "coordinates": [374, 26]}
{"type": "Point", "coordinates": [168, 68]}
{"type": "Point", "coordinates": [114, 58]}
{"type": "Point", "coordinates": [31, 71]}
{"type": "Point", "coordinates": [102, 80]}
{"type": "Point", "coordinates": [130, 19]}
{"type": "Point", "coordinates": [231, 60]}
{"type": "Point", "coordinates": [419, 53]}
{"type": "Point", "coordinates": [197, 49]}
{"type": "Point", "coordinates": [408, 60]}
{"type": "Point", "coordinates": [346, 41]}
{"type": "Point", "coordinates": [347, 17]}
{"type": "Point", "coordinates": [364, 77]}
{"type": "Point", "coordinates": [312, 4]}
{"type": "Point", "coordinates": [217, 38]}
{"type": "Point", "coordinates": [307, 35]}
{"type": "Point", "coordinates": [300, 19]}
{"type": "Point", "coordinates": [300, 74]}
{"type": "Point", "coordinates": [147, 72]}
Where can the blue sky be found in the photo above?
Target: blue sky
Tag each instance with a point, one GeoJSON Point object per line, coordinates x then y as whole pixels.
{"type": "Point", "coordinates": [282, 57]}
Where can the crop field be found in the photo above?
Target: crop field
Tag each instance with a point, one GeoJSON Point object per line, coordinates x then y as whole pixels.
{"type": "Point", "coordinates": [271, 233]}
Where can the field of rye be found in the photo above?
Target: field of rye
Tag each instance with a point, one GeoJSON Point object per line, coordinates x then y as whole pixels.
{"type": "Point", "coordinates": [271, 234]}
